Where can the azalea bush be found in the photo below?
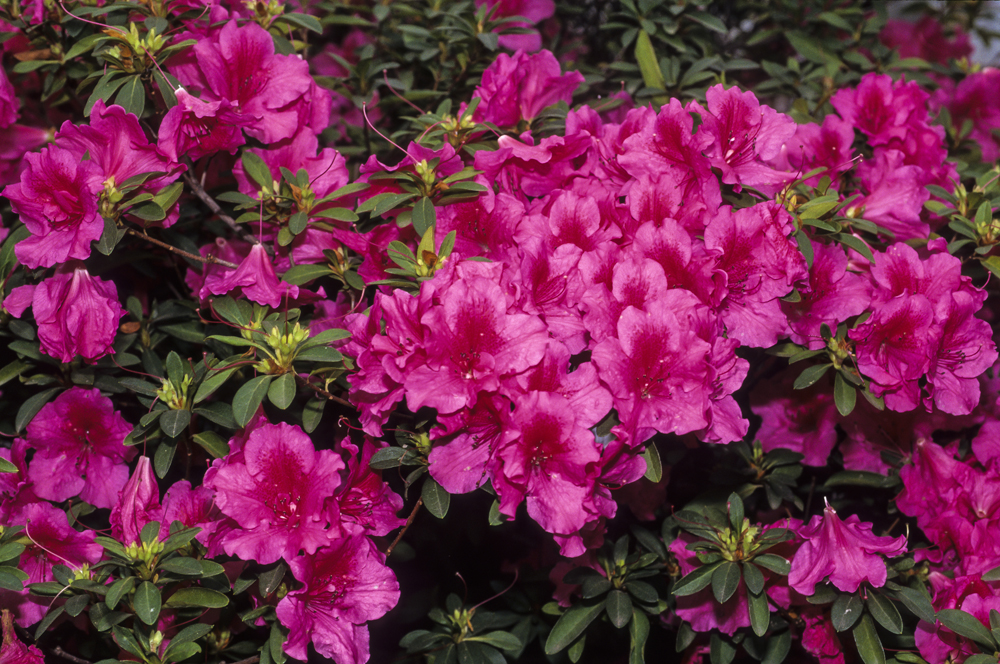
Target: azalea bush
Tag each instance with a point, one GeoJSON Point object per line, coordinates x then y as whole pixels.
{"type": "Point", "coordinates": [498, 331]}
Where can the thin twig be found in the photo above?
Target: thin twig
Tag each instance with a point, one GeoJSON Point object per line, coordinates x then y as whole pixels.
{"type": "Point", "coordinates": [59, 652]}
{"type": "Point", "coordinates": [180, 252]}
{"type": "Point", "coordinates": [322, 392]}
{"type": "Point", "coordinates": [200, 192]}
{"type": "Point", "coordinates": [409, 521]}
{"type": "Point", "coordinates": [249, 660]}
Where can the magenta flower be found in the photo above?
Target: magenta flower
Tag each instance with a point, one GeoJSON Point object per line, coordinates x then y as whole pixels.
{"type": "Point", "coordinates": [197, 128]}
{"type": "Point", "coordinates": [345, 586]}
{"type": "Point", "coordinates": [138, 504]}
{"type": "Point", "coordinates": [57, 201]}
{"type": "Point", "coordinates": [13, 651]}
{"type": "Point", "coordinates": [535, 11]}
{"type": "Point", "coordinates": [256, 279]}
{"type": "Point", "coordinates": [276, 493]}
{"type": "Point", "coordinates": [845, 551]}
{"type": "Point", "coordinates": [80, 448]}
{"type": "Point", "coordinates": [744, 136]}
{"type": "Point", "coordinates": [52, 542]}
{"type": "Point", "coordinates": [516, 89]}
{"type": "Point", "coordinates": [366, 504]}
{"type": "Point", "coordinates": [76, 313]}
{"type": "Point", "coordinates": [238, 65]}
{"type": "Point", "coordinates": [9, 103]}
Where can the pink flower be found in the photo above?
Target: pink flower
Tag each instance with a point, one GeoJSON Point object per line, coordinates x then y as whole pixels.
{"type": "Point", "coordinates": [138, 504]}
{"type": "Point", "coordinates": [516, 89]}
{"type": "Point", "coordinates": [52, 542]}
{"type": "Point", "coordinates": [13, 651]}
{"type": "Point", "coordinates": [256, 279]}
{"type": "Point", "coordinates": [845, 551]}
{"type": "Point", "coordinates": [535, 11]}
{"type": "Point", "coordinates": [80, 448]}
{"type": "Point", "coordinates": [744, 136]}
{"type": "Point", "coordinates": [344, 586]}
{"type": "Point", "coordinates": [57, 201]}
{"type": "Point", "coordinates": [197, 128]}
{"type": "Point", "coordinates": [76, 313]}
{"type": "Point", "coordinates": [238, 65]}
{"type": "Point", "coordinates": [9, 103]}
{"type": "Point", "coordinates": [925, 39]}
{"type": "Point", "coordinates": [276, 493]}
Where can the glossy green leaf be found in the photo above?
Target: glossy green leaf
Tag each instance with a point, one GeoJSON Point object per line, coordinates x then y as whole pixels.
{"type": "Point", "coordinates": [282, 391]}
{"type": "Point", "coordinates": [436, 499]}
{"type": "Point", "coordinates": [725, 581]}
{"type": "Point", "coordinates": [571, 625]}
{"type": "Point", "coordinates": [884, 612]}
{"type": "Point", "coordinates": [869, 645]}
{"type": "Point", "coordinates": [845, 395]}
{"type": "Point", "coordinates": [248, 399]}
{"type": "Point", "coordinates": [619, 608]}
{"type": "Point", "coordinates": [846, 611]}
{"type": "Point", "coordinates": [147, 602]}
{"type": "Point", "coordinates": [203, 597]}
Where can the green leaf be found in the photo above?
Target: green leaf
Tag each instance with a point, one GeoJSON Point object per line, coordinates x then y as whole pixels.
{"type": "Point", "coordinates": [312, 414]}
{"type": "Point", "coordinates": [118, 590]}
{"type": "Point", "coordinates": [571, 625]}
{"type": "Point", "coordinates": [966, 625]}
{"type": "Point", "coordinates": [436, 499]}
{"type": "Point", "coordinates": [387, 457]}
{"type": "Point", "coordinates": [649, 66]}
{"type": "Point", "coordinates": [720, 651]}
{"type": "Point", "coordinates": [884, 611]}
{"type": "Point", "coordinates": [213, 443]}
{"type": "Point", "coordinates": [110, 238]}
{"type": "Point", "coordinates": [178, 652]}
{"type": "Point", "coordinates": [845, 611]}
{"type": "Point", "coordinates": [861, 478]}
{"type": "Point", "coordinates": [855, 244]}
{"type": "Point", "coordinates": [174, 422]}
{"type": "Point", "coordinates": [810, 375]}
{"type": "Point", "coordinates": [760, 612]}
{"type": "Point", "coordinates": [282, 391]}
{"type": "Point", "coordinates": [306, 21]}
{"type": "Point", "coordinates": [725, 581]}
{"type": "Point", "coordinates": [753, 577]}
{"type": "Point", "coordinates": [248, 399]}
{"type": "Point", "coordinates": [147, 602]}
{"type": "Point", "coordinates": [992, 263]}
{"type": "Point", "coordinates": [773, 562]}
{"type": "Point", "coordinates": [214, 381]}
{"type": "Point", "coordinates": [31, 406]}
{"type": "Point", "coordinates": [992, 575]}
{"type": "Point", "coordinates": [132, 96]}
{"type": "Point", "coordinates": [695, 580]}
{"type": "Point", "coordinates": [203, 597]}
{"type": "Point", "coordinates": [182, 565]}
{"type": "Point", "coordinates": [869, 645]}
{"type": "Point", "coordinates": [11, 550]}
{"type": "Point", "coordinates": [164, 456]}
{"type": "Point", "coordinates": [707, 20]}
{"type": "Point", "coordinates": [638, 632]}
{"type": "Point", "coordinates": [303, 274]}
{"type": "Point", "coordinates": [423, 216]}
{"type": "Point", "coordinates": [271, 579]}
{"type": "Point", "coordinates": [10, 582]}
{"type": "Point", "coordinates": [654, 467]}
{"type": "Point", "coordinates": [735, 506]}
{"type": "Point", "coordinates": [778, 647]}
{"type": "Point", "coordinates": [254, 166]}
{"type": "Point", "coordinates": [844, 395]}
{"type": "Point", "coordinates": [126, 641]}
{"type": "Point", "coordinates": [619, 608]}
{"type": "Point", "coordinates": [501, 640]}
{"type": "Point", "coordinates": [7, 466]}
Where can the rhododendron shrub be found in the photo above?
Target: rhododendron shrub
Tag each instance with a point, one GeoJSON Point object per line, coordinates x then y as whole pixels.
{"type": "Point", "coordinates": [464, 333]}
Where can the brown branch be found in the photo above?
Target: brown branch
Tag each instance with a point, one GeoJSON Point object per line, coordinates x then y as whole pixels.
{"type": "Point", "coordinates": [324, 393]}
{"type": "Point", "coordinates": [409, 521]}
{"type": "Point", "coordinates": [249, 660]}
{"type": "Point", "coordinates": [200, 192]}
{"type": "Point", "coordinates": [59, 652]}
{"type": "Point", "coordinates": [180, 252]}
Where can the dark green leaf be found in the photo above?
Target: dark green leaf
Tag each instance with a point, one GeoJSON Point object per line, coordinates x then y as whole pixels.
{"type": "Point", "coordinates": [163, 458]}
{"type": "Point", "coordinates": [619, 608]}
{"type": "Point", "coordinates": [312, 414]}
{"type": "Point", "coordinates": [642, 591]}
{"type": "Point", "coordinates": [735, 506]}
{"type": "Point", "coordinates": [720, 651]}
{"type": "Point", "coordinates": [248, 399]}
{"type": "Point", "coordinates": [707, 20]}
{"type": "Point", "coordinates": [9, 581]}
{"type": "Point", "coordinates": [126, 641]}
{"type": "Point", "coordinates": [810, 375]}
{"type": "Point", "coordinates": [992, 575]}
{"type": "Point", "coordinates": [436, 499]}
{"type": "Point", "coordinates": [754, 579]}
{"type": "Point", "coordinates": [654, 467]}
{"type": "Point", "coordinates": [594, 585]}
{"type": "Point", "coordinates": [212, 443]}
{"type": "Point", "coordinates": [197, 597]}
{"type": "Point", "coordinates": [182, 565]}
{"type": "Point", "coordinates": [282, 391]}
{"type": "Point", "coordinates": [75, 605]}
{"type": "Point", "coordinates": [760, 612]}
{"type": "Point", "coordinates": [869, 645]}
{"type": "Point", "coordinates": [256, 168]}
{"type": "Point", "coordinates": [174, 422]}
{"type": "Point", "coordinates": [303, 274]}
{"type": "Point", "coordinates": [132, 96]}
{"type": "Point", "coordinates": [178, 652]}
{"type": "Point", "coordinates": [845, 611]}
{"type": "Point", "coordinates": [118, 590]}
{"type": "Point", "coordinates": [501, 640]}
{"type": "Point", "coordinates": [861, 478]}
{"type": "Point", "coordinates": [387, 457]}
{"type": "Point", "coordinates": [303, 21]}
{"type": "Point", "coordinates": [845, 395]}
{"type": "Point", "coordinates": [884, 612]}
{"type": "Point", "coordinates": [571, 625]}
{"type": "Point", "coordinates": [966, 625]}
{"type": "Point", "coordinates": [271, 579]}
{"type": "Point", "coordinates": [725, 581]}
{"type": "Point", "coordinates": [31, 406]}
{"type": "Point", "coordinates": [638, 632]}
{"type": "Point", "coordinates": [423, 216]}
{"type": "Point", "coordinates": [696, 580]}
{"type": "Point", "coordinates": [110, 238]}
{"type": "Point", "coordinates": [147, 602]}
{"type": "Point", "coordinates": [778, 647]}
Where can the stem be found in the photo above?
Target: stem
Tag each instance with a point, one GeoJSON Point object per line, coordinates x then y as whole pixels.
{"type": "Point", "coordinates": [59, 652]}
{"type": "Point", "coordinates": [180, 252]}
{"type": "Point", "coordinates": [200, 192]}
{"type": "Point", "coordinates": [321, 391]}
{"type": "Point", "coordinates": [409, 521]}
